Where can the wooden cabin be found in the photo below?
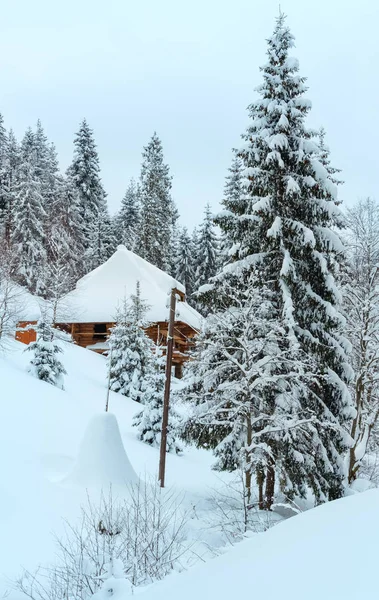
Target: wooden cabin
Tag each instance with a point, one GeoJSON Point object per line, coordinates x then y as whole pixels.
{"type": "Point", "coordinates": [88, 312]}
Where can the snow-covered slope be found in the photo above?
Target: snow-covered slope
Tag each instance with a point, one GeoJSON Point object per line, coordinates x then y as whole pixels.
{"type": "Point", "coordinates": [41, 429]}
{"type": "Point", "coordinates": [328, 553]}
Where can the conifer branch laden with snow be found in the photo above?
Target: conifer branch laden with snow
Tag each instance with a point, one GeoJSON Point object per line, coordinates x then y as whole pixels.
{"type": "Point", "coordinates": [130, 350]}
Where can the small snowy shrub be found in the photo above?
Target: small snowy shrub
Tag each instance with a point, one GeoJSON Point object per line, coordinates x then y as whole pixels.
{"type": "Point", "coordinates": [149, 420]}
{"type": "Point", "coordinates": [118, 543]}
{"type": "Point", "coordinates": [45, 364]}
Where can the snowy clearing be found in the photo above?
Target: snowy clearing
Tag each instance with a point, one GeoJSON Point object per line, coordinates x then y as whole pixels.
{"type": "Point", "coordinates": [42, 429]}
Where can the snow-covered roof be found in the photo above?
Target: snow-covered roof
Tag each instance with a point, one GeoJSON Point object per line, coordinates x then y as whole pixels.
{"type": "Point", "coordinates": [26, 307]}
{"type": "Point", "coordinates": [100, 292]}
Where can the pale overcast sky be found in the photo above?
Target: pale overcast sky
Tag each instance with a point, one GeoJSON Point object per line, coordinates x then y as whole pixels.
{"type": "Point", "coordinates": [188, 71]}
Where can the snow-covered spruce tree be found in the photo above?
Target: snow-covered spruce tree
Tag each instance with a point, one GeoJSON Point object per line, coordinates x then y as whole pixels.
{"type": "Point", "coordinates": [28, 218]}
{"type": "Point", "coordinates": [84, 173]}
{"type": "Point", "coordinates": [158, 211]}
{"type": "Point", "coordinates": [66, 240]}
{"type": "Point", "coordinates": [175, 242]}
{"type": "Point", "coordinates": [245, 385]}
{"type": "Point", "coordinates": [130, 350]}
{"type": "Point", "coordinates": [185, 272]}
{"type": "Point", "coordinates": [128, 218]}
{"type": "Point", "coordinates": [149, 420]}
{"type": "Point", "coordinates": [103, 238]}
{"type": "Point", "coordinates": [4, 183]}
{"type": "Point", "coordinates": [13, 164]}
{"type": "Point", "coordinates": [281, 231]}
{"type": "Point", "coordinates": [45, 364]}
{"type": "Point", "coordinates": [43, 162]}
{"type": "Point", "coordinates": [207, 249]}
{"type": "Point", "coordinates": [361, 301]}
{"type": "Point", "coordinates": [206, 252]}
{"type": "Point", "coordinates": [232, 195]}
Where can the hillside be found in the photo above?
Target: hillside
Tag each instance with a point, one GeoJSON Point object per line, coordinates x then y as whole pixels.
{"type": "Point", "coordinates": [328, 553]}
{"type": "Point", "coordinates": [40, 433]}
{"type": "Point", "coordinates": [41, 430]}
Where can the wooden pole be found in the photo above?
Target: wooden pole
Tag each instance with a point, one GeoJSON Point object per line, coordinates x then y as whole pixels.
{"type": "Point", "coordinates": [109, 382]}
{"type": "Point", "coordinates": [166, 401]}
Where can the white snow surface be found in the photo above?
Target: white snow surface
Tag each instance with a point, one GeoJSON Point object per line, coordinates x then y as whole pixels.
{"type": "Point", "coordinates": [328, 553]}
{"type": "Point", "coordinates": [46, 439]}
{"type": "Point", "coordinates": [99, 293]}
{"type": "Point", "coordinates": [44, 450]}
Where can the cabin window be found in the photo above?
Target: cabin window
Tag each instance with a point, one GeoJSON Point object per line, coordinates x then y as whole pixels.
{"type": "Point", "coordinates": [100, 331]}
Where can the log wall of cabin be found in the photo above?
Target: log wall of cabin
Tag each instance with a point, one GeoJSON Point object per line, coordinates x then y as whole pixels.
{"type": "Point", "coordinates": [90, 334]}
{"type": "Point", "coordinates": [85, 334]}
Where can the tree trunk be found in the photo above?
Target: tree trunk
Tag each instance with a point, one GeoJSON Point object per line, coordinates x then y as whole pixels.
{"type": "Point", "coordinates": [270, 487]}
{"type": "Point", "coordinates": [355, 431]}
{"type": "Point", "coordinates": [260, 481]}
{"type": "Point", "coordinates": [247, 459]}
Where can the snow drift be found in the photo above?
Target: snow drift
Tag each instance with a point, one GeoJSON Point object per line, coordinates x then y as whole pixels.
{"type": "Point", "coordinates": [328, 553]}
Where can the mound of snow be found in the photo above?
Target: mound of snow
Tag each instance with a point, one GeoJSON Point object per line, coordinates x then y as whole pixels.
{"type": "Point", "coordinates": [102, 459]}
{"type": "Point", "coordinates": [327, 553]}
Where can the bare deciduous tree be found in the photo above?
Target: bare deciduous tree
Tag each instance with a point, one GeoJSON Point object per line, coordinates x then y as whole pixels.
{"type": "Point", "coordinates": [361, 296]}
{"type": "Point", "coordinates": [12, 297]}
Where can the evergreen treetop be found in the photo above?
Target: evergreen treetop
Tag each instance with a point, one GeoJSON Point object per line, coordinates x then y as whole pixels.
{"type": "Point", "coordinates": [282, 235]}
{"type": "Point", "coordinates": [158, 211]}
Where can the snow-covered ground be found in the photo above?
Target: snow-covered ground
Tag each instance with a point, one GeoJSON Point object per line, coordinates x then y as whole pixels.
{"type": "Point", "coordinates": [327, 553]}
{"type": "Point", "coordinates": [41, 429]}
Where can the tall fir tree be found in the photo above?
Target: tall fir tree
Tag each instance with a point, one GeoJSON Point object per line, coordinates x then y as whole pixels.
{"type": "Point", "coordinates": [42, 157]}
{"type": "Point", "coordinates": [28, 235]}
{"type": "Point", "coordinates": [66, 240]}
{"type": "Point", "coordinates": [128, 218]}
{"type": "Point", "coordinates": [4, 183]}
{"type": "Point", "coordinates": [282, 239]}
{"type": "Point", "coordinates": [207, 250]}
{"type": "Point", "coordinates": [13, 164]}
{"type": "Point", "coordinates": [158, 211]}
{"type": "Point", "coordinates": [84, 173]}
{"type": "Point", "coordinates": [185, 271]}
{"type": "Point", "coordinates": [51, 190]}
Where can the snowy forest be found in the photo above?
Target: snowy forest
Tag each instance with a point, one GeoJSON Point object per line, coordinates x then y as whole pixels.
{"type": "Point", "coordinates": [57, 226]}
{"type": "Point", "coordinates": [280, 398]}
